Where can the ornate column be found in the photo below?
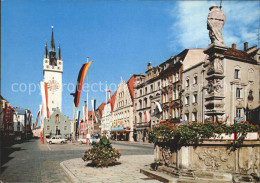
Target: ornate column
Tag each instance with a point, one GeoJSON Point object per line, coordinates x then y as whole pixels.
{"type": "Point", "coordinates": [214, 98]}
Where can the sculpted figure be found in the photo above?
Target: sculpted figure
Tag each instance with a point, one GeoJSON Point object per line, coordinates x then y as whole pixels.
{"type": "Point", "coordinates": [215, 22]}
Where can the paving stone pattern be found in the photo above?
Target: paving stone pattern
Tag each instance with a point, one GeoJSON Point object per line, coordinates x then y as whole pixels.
{"type": "Point", "coordinates": [126, 172]}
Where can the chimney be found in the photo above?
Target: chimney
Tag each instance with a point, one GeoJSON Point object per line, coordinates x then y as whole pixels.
{"type": "Point", "coordinates": [234, 46]}
{"type": "Point", "coordinates": [245, 46]}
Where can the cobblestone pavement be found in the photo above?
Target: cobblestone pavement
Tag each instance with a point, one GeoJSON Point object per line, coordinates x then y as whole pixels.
{"type": "Point", "coordinates": [32, 161]}
{"type": "Point", "coordinates": [125, 172]}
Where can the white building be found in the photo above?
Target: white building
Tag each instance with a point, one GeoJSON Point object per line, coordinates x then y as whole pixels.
{"type": "Point", "coordinates": [22, 119]}
{"type": "Point", "coordinates": [107, 116]}
{"type": "Point", "coordinates": [123, 112]}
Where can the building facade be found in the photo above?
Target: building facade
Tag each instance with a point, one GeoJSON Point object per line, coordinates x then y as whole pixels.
{"type": "Point", "coordinates": [123, 112]}
{"type": "Point", "coordinates": [193, 95]}
{"type": "Point", "coordinates": [99, 112]}
{"type": "Point", "coordinates": [57, 125]}
{"type": "Point", "coordinates": [147, 99]}
{"type": "Point", "coordinates": [174, 84]}
{"type": "Point", "coordinates": [107, 116]}
{"type": "Point", "coordinates": [22, 119]}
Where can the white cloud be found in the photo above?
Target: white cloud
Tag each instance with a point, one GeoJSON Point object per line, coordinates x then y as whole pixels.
{"type": "Point", "coordinates": [189, 29]}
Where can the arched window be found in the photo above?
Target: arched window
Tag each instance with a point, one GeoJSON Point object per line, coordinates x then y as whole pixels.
{"type": "Point", "coordinates": [57, 118]}
{"type": "Point", "coordinates": [250, 75]}
{"type": "Point", "coordinates": [237, 73]}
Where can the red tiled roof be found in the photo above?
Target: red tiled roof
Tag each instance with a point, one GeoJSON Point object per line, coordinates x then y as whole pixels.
{"type": "Point", "coordinates": [130, 84]}
{"type": "Point", "coordinates": [237, 53]}
{"type": "Point", "coordinates": [90, 114]}
{"type": "Point", "coordinates": [101, 108]}
{"type": "Point", "coordinates": [112, 100]}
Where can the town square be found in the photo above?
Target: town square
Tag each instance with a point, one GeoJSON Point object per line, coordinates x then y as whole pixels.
{"type": "Point", "coordinates": [130, 91]}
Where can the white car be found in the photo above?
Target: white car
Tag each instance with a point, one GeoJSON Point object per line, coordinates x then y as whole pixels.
{"type": "Point", "coordinates": [94, 139]}
{"type": "Point", "coordinates": [82, 141]}
{"type": "Point", "coordinates": [56, 140]}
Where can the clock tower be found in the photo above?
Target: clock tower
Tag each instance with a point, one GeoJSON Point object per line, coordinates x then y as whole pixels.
{"type": "Point", "coordinates": [52, 72]}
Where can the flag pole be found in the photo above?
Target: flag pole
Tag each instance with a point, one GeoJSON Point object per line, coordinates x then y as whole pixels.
{"type": "Point", "coordinates": [92, 118]}
{"type": "Point", "coordinates": [87, 98]}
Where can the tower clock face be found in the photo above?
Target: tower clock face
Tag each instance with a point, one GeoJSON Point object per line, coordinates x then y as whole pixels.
{"type": "Point", "coordinates": [53, 85]}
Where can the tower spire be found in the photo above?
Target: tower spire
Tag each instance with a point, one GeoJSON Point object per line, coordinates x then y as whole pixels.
{"type": "Point", "coordinates": [46, 55]}
{"type": "Point", "coordinates": [52, 40]}
{"type": "Point", "coordinates": [59, 54]}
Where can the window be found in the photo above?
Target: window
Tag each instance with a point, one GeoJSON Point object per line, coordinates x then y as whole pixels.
{"type": "Point", "coordinates": [65, 127]}
{"type": "Point", "coordinates": [145, 90]}
{"type": "Point", "coordinates": [177, 76]}
{"type": "Point", "coordinates": [158, 84]}
{"type": "Point", "coordinates": [187, 116]}
{"type": "Point", "coordinates": [57, 127]}
{"type": "Point", "coordinates": [195, 80]}
{"type": "Point", "coordinates": [187, 82]}
{"type": "Point", "coordinates": [177, 113]}
{"type": "Point", "coordinates": [187, 101]}
{"type": "Point", "coordinates": [48, 127]}
{"type": "Point", "coordinates": [239, 93]}
{"type": "Point", "coordinates": [238, 112]}
{"type": "Point", "coordinates": [194, 116]}
{"type": "Point", "coordinates": [195, 98]}
{"type": "Point", "coordinates": [237, 74]}
{"type": "Point", "coordinates": [151, 88]}
{"type": "Point", "coordinates": [251, 75]}
{"type": "Point", "coordinates": [141, 93]}
{"type": "Point", "coordinates": [173, 94]}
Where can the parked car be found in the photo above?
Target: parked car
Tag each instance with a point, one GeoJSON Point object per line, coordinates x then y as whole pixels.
{"type": "Point", "coordinates": [94, 139]}
{"type": "Point", "coordinates": [56, 140]}
{"type": "Point", "coordinates": [82, 141]}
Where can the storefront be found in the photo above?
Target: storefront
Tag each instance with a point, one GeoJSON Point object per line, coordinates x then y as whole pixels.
{"type": "Point", "coordinates": [120, 133]}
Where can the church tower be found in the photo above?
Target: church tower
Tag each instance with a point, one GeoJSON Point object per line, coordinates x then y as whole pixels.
{"type": "Point", "coordinates": [52, 72]}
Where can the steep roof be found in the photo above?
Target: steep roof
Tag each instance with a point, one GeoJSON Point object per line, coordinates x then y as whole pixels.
{"type": "Point", "coordinates": [130, 84]}
{"type": "Point", "coordinates": [112, 100]}
{"type": "Point", "coordinates": [101, 108]}
{"type": "Point", "coordinates": [90, 114]}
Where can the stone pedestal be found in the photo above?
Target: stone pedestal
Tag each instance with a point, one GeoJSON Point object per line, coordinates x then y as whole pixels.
{"type": "Point", "coordinates": [214, 99]}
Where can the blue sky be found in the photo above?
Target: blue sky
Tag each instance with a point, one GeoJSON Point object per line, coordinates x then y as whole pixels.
{"type": "Point", "coordinates": [120, 36]}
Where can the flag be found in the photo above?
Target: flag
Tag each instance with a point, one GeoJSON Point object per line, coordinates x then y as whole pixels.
{"type": "Point", "coordinates": [159, 106]}
{"type": "Point", "coordinates": [78, 120]}
{"type": "Point", "coordinates": [36, 123]}
{"type": "Point", "coordinates": [146, 119]}
{"type": "Point", "coordinates": [109, 91]}
{"type": "Point", "coordinates": [93, 102]}
{"type": "Point", "coordinates": [94, 108]}
{"type": "Point", "coordinates": [81, 77]}
{"type": "Point", "coordinates": [44, 91]}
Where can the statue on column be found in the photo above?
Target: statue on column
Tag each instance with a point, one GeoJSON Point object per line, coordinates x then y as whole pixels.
{"type": "Point", "coordinates": [215, 22]}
